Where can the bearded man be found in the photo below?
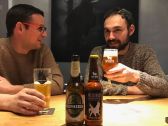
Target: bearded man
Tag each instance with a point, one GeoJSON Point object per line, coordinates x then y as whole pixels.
{"type": "Point", "coordinates": [138, 70]}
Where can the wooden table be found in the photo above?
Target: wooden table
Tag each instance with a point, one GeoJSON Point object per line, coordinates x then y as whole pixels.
{"type": "Point", "coordinates": [131, 110]}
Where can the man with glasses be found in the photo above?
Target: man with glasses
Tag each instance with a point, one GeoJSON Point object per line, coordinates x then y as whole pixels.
{"type": "Point", "coordinates": [23, 50]}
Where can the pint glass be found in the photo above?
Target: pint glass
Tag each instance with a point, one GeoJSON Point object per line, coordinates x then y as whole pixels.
{"type": "Point", "coordinates": [110, 59]}
{"type": "Point", "coordinates": [42, 82]}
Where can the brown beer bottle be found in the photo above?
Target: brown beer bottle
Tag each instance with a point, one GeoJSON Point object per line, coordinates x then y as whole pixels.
{"type": "Point", "coordinates": [75, 95]}
{"type": "Point", "coordinates": [93, 95]}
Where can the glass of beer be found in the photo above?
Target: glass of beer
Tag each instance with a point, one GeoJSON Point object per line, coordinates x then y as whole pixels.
{"type": "Point", "coordinates": [110, 59]}
{"type": "Point", "coordinates": [42, 82]}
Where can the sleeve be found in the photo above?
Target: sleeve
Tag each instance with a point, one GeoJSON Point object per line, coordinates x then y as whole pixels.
{"type": "Point", "coordinates": [113, 89]}
{"type": "Point", "coordinates": [109, 88]}
{"type": "Point", "coordinates": [57, 77]}
{"type": "Point", "coordinates": [152, 79]}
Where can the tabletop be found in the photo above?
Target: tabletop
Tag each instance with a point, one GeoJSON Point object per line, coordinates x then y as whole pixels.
{"type": "Point", "coordinates": [130, 110]}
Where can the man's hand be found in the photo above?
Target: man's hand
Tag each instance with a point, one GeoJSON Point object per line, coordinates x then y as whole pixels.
{"type": "Point", "coordinates": [123, 74]}
{"type": "Point", "coordinates": [26, 102]}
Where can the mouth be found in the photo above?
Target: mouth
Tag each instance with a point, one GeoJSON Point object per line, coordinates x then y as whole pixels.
{"type": "Point", "coordinates": [40, 41]}
{"type": "Point", "coordinates": [113, 44]}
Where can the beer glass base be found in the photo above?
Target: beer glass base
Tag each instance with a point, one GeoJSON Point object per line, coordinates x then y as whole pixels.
{"type": "Point", "coordinates": [47, 111]}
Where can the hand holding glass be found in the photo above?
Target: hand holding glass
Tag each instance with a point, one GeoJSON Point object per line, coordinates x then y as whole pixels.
{"type": "Point", "coordinates": [110, 59]}
{"type": "Point", "coordinates": [42, 82]}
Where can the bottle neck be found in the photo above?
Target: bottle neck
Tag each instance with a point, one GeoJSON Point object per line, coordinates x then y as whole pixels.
{"type": "Point", "coordinates": [75, 79]}
{"type": "Point", "coordinates": [75, 71]}
{"type": "Point", "coordinates": [93, 70]}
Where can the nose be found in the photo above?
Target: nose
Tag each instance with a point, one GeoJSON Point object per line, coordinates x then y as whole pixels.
{"type": "Point", "coordinates": [111, 36]}
{"type": "Point", "coordinates": [44, 34]}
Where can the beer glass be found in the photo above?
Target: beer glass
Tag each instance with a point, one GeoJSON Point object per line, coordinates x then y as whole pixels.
{"type": "Point", "coordinates": [42, 82]}
{"type": "Point", "coordinates": [110, 59]}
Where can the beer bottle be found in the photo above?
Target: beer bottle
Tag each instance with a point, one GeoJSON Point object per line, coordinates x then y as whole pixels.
{"type": "Point", "coordinates": [93, 95]}
{"type": "Point", "coordinates": [75, 95]}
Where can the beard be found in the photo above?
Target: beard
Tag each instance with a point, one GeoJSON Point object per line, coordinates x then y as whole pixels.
{"type": "Point", "coordinates": [117, 44]}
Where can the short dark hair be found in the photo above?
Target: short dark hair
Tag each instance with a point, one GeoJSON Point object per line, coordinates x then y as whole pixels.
{"type": "Point", "coordinates": [20, 13]}
{"type": "Point", "coordinates": [127, 15]}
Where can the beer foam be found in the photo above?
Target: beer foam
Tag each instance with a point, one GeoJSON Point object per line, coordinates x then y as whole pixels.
{"type": "Point", "coordinates": [36, 82]}
{"type": "Point", "coordinates": [110, 52]}
{"type": "Point", "coordinates": [47, 82]}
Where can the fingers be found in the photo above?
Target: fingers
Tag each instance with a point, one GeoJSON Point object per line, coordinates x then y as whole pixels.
{"type": "Point", "coordinates": [35, 93]}
{"type": "Point", "coordinates": [34, 100]}
{"type": "Point", "coordinates": [119, 75]}
{"type": "Point", "coordinates": [30, 106]}
{"type": "Point", "coordinates": [123, 74]}
{"type": "Point", "coordinates": [27, 102]}
{"type": "Point", "coordinates": [114, 74]}
{"type": "Point", "coordinates": [17, 105]}
{"type": "Point", "coordinates": [32, 96]}
{"type": "Point", "coordinates": [2, 78]}
{"type": "Point", "coordinates": [118, 68]}
{"type": "Point", "coordinates": [27, 112]}
{"type": "Point", "coordinates": [117, 78]}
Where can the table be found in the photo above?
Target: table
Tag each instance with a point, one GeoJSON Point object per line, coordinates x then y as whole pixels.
{"type": "Point", "coordinates": [131, 110]}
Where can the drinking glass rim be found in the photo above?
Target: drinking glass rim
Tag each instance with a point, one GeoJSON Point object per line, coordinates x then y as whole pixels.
{"type": "Point", "coordinates": [107, 49]}
{"type": "Point", "coordinates": [110, 52]}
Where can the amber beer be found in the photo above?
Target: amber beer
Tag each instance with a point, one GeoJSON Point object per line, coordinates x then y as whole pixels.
{"type": "Point", "coordinates": [43, 82]}
{"type": "Point", "coordinates": [45, 89]}
{"type": "Point", "coordinates": [93, 95]}
{"type": "Point", "coordinates": [110, 59]}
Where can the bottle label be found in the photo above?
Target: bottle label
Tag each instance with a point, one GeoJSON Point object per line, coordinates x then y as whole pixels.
{"type": "Point", "coordinates": [75, 71]}
{"type": "Point", "coordinates": [94, 76]}
{"type": "Point", "coordinates": [93, 109]}
{"type": "Point", "coordinates": [74, 104]}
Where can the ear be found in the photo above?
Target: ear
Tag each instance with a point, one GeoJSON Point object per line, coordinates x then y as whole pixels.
{"type": "Point", "coordinates": [131, 30]}
{"type": "Point", "coordinates": [19, 28]}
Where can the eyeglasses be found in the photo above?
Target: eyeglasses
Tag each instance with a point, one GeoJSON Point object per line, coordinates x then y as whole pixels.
{"type": "Point", "coordinates": [39, 27]}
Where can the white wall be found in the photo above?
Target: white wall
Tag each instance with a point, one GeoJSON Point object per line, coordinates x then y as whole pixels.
{"type": "Point", "coordinates": [153, 28]}
{"type": "Point", "coordinates": [3, 10]}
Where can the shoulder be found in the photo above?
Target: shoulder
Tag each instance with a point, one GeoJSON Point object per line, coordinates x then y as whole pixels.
{"type": "Point", "coordinates": [142, 48]}
{"type": "Point", "coordinates": [4, 44]}
{"type": "Point", "coordinates": [142, 51]}
{"type": "Point", "coordinates": [4, 41]}
{"type": "Point", "coordinates": [97, 50]}
{"type": "Point", "coordinates": [44, 48]}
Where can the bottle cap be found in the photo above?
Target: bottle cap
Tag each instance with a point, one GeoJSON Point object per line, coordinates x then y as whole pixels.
{"type": "Point", "coordinates": [94, 56]}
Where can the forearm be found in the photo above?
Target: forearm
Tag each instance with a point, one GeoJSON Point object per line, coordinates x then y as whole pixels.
{"type": "Point", "coordinates": [57, 85]}
{"type": "Point", "coordinates": [4, 100]}
{"type": "Point", "coordinates": [134, 90]}
{"type": "Point", "coordinates": [10, 89]}
{"type": "Point", "coordinates": [57, 77]}
{"type": "Point", "coordinates": [56, 88]}
{"type": "Point", "coordinates": [113, 89]}
{"type": "Point", "coordinates": [152, 85]}
{"type": "Point", "coordinates": [7, 88]}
